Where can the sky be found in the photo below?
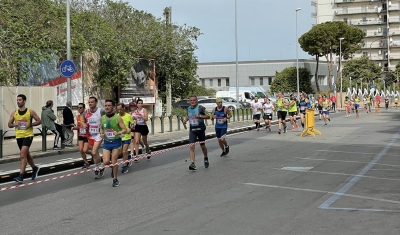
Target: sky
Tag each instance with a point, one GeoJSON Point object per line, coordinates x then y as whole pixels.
{"type": "Point", "coordinates": [266, 28]}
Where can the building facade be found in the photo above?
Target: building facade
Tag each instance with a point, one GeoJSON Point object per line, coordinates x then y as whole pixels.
{"type": "Point", "coordinates": [379, 19]}
{"type": "Point", "coordinates": [221, 75]}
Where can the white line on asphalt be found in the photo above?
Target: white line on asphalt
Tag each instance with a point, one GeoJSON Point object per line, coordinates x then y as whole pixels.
{"type": "Point", "coordinates": [334, 151]}
{"type": "Point", "coordinates": [344, 174]}
{"type": "Point", "coordinates": [322, 191]}
{"type": "Point", "coordinates": [361, 209]}
{"type": "Point", "coordinates": [328, 160]}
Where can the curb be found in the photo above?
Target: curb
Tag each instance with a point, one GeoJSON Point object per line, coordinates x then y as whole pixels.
{"type": "Point", "coordinates": [78, 162]}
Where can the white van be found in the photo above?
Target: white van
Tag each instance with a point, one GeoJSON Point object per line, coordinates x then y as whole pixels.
{"type": "Point", "coordinates": [244, 95]}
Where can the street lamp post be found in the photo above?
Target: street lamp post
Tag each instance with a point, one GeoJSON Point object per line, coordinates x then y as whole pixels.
{"type": "Point", "coordinates": [340, 71]}
{"type": "Point", "coordinates": [350, 85]}
{"type": "Point", "coordinates": [236, 48]}
{"type": "Point", "coordinates": [68, 50]}
{"type": "Point", "coordinates": [297, 59]}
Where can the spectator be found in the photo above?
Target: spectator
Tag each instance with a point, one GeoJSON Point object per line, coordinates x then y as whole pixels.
{"type": "Point", "coordinates": [48, 120]}
{"type": "Point", "coordinates": [333, 101]}
{"type": "Point", "coordinates": [68, 121]}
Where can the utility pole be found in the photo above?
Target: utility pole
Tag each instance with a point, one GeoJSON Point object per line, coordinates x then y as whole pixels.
{"type": "Point", "coordinates": [168, 20]}
{"type": "Point", "coordinates": [68, 51]}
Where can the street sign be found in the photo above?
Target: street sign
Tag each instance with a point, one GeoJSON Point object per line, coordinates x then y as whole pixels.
{"type": "Point", "coordinates": [372, 86]}
{"type": "Point", "coordinates": [67, 68]}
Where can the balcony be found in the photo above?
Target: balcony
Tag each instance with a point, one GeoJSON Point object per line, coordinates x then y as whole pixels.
{"type": "Point", "coordinates": [395, 44]}
{"type": "Point", "coordinates": [375, 34]}
{"type": "Point", "coordinates": [313, 3]}
{"type": "Point", "coordinates": [357, 11]}
{"type": "Point", "coordinates": [367, 22]}
{"type": "Point", "coordinates": [313, 14]}
{"type": "Point", "coordinates": [394, 20]}
{"type": "Point", "coordinates": [350, 1]}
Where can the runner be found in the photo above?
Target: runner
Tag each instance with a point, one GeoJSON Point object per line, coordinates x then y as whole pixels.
{"type": "Point", "coordinates": [378, 100]}
{"type": "Point", "coordinates": [320, 99]}
{"type": "Point", "coordinates": [303, 107]}
{"type": "Point", "coordinates": [21, 120]}
{"type": "Point", "coordinates": [281, 105]}
{"type": "Point", "coordinates": [387, 103]}
{"type": "Point", "coordinates": [111, 130]}
{"type": "Point", "coordinates": [126, 139]}
{"type": "Point", "coordinates": [268, 108]}
{"type": "Point", "coordinates": [293, 112]}
{"type": "Point", "coordinates": [256, 107]}
{"type": "Point", "coordinates": [365, 103]}
{"type": "Point", "coordinates": [83, 134]}
{"type": "Point", "coordinates": [141, 129]}
{"type": "Point", "coordinates": [133, 107]}
{"type": "Point", "coordinates": [93, 121]}
{"type": "Point", "coordinates": [368, 98]}
{"type": "Point", "coordinates": [221, 114]}
{"type": "Point", "coordinates": [326, 104]}
{"type": "Point", "coordinates": [347, 105]}
{"type": "Point", "coordinates": [357, 105]}
{"type": "Point", "coordinates": [396, 101]}
{"type": "Point", "coordinates": [197, 131]}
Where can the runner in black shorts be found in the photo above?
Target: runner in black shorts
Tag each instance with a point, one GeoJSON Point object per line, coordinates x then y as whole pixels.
{"type": "Point", "coordinates": [281, 106]}
{"type": "Point", "coordinates": [303, 107]}
{"type": "Point", "coordinates": [83, 133]}
{"type": "Point", "coordinates": [196, 116]}
{"type": "Point", "coordinates": [268, 108]}
{"type": "Point", "coordinates": [256, 106]}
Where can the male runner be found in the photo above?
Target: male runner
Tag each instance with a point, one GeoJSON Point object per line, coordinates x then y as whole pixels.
{"type": "Point", "coordinates": [197, 131]}
{"type": "Point", "coordinates": [396, 101]}
{"type": "Point", "coordinates": [357, 105]}
{"type": "Point", "coordinates": [256, 107]}
{"type": "Point", "coordinates": [268, 108]}
{"type": "Point", "coordinates": [221, 114]}
{"type": "Point", "coordinates": [347, 106]}
{"type": "Point", "coordinates": [293, 112]}
{"type": "Point", "coordinates": [281, 105]}
{"type": "Point", "coordinates": [83, 134]}
{"type": "Point", "coordinates": [325, 109]}
{"type": "Point", "coordinates": [111, 130]}
{"type": "Point", "coordinates": [303, 107]}
{"type": "Point", "coordinates": [21, 120]}
{"type": "Point", "coordinates": [387, 103]}
{"type": "Point", "coordinates": [93, 121]}
{"type": "Point", "coordinates": [126, 139]}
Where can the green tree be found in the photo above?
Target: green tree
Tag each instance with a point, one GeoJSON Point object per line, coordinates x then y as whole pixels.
{"type": "Point", "coordinates": [323, 40]}
{"type": "Point", "coordinates": [360, 70]}
{"type": "Point", "coordinates": [286, 81]}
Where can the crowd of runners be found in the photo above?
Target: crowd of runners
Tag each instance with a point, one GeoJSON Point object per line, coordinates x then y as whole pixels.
{"type": "Point", "coordinates": [117, 129]}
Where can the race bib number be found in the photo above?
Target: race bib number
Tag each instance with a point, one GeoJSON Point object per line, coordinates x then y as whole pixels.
{"type": "Point", "coordinates": [140, 121]}
{"type": "Point", "coordinates": [302, 108]}
{"type": "Point", "coordinates": [220, 120]}
{"type": "Point", "coordinates": [82, 131]}
{"type": "Point", "coordinates": [194, 121]}
{"type": "Point", "coordinates": [94, 130]}
{"type": "Point", "coordinates": [22, 125]}
{"type": "Point", "coordinates": [110, 134]}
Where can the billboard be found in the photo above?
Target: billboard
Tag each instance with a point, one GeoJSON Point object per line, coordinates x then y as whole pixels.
{"type": "Point", "coordinates": [61, 84]}
{"type": "Point", "coordinates": [141, 83]}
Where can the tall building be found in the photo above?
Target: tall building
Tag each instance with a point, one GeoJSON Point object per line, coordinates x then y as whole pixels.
{"type": "Point", "coordinates": [379, 19]}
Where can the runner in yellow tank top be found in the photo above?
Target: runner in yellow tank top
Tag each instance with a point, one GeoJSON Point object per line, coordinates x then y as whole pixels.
{"type": "Point", "coordinates": [21, 120]}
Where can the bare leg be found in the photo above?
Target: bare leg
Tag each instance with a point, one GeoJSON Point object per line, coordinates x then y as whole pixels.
{"type": "Point", "coordinates": [115, 153]}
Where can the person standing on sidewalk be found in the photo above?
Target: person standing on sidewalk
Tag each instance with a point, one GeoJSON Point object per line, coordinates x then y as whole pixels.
{"type": "Point", "coordinates": [197, 131]}
{"type": "Point", "coordinates": [126, 139]}
{"type": "Point", "coordinates": [141, 129]}
{"type": "Point", "coordinates": [256, 107]}
{"type": "Point", "coordinates": [111, 130]}
{"type": "Point", "coordinates": [48, 120]}
{"type": "Point", "coordinates": [68, 121]}
{"type": "Point", "coordinates": [21, 120]}
{"type": "Point", "coordinates": [221, 114]}
{"type": "Point", "coordinates": [93, 121]}
{"type": "Point", "coordinates": [333, 102]}
{"type": "Point", "coordinates": [83, 134]}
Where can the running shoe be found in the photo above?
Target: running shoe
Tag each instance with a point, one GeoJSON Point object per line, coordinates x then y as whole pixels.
{"type": "Point", "coordinates": [115, 183]}
{"type": "Point", "coordinates": [192, 167]}
{"type": "Point", "coordinates": [135, 159]}
{"type": "Point", "coordinates": [222, 154]}
{"type": "Point", "coordinates": [149, 154]}
{"type": "Point", "coordinates": [292, 128]}
{"type": "Point", "coordinates": [226, 150]}
{"type": "Point", "coordinates": [56, 148]}
{"type": "Point", "coordinates": [130, 161]}
{"type": "Point", "coordinates": [35, 172]}
{"type": "Point", "coordinates": [124, 170]}
{"type": "Point", "coordinates": [97, 174]}
{"type": "Point", "coordinates": [269, 128]}
{"type": "Point", "coordinates": [325, 124]}
{"type": "Point", "coordinates": [285, 129]}
{"type": "Point", "coordinates": [297, 126]}
{"type": "Point", "coordinates": [101, 172]}
{"type": "Point", "coordinates": [19, 178]}
{"type": "Point", "coordinates": [329, 119]}
{"type": "Point", "coordinates": [85, 166]}
{"type": "Point", "coordinates": [279, 131]}
{"type": "Point", "coordinates": [206, 163]}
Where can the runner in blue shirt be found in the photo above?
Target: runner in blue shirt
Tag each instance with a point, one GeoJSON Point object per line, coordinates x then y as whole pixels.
{"type": "Point", "coordinates": [221, 114]}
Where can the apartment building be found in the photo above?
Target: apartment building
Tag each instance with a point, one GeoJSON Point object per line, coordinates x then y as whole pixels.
{"type": "Point", "coordinates": [379, 19]}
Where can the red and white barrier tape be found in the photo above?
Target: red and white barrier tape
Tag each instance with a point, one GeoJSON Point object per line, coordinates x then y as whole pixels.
{"type": "Point", "coordinates": [108, 166]}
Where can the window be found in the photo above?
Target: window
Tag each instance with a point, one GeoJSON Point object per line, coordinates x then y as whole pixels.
{"type": "Point", "coordinates": [365, 31]}
{"type": "Point", "coordinates": [365, 53]}
{"type": "Point", "coordinates": [203, 82]}
{"type": "Point", "coordinates": [247, 95]}
{"type": "Point", "coordinates": [321, 80]}
{"type": "Point", "coordinates": [261, 81]}
{"type": "Point", "coordinates": [211, 82]}
{"type": "Point", "coordinates": [345, 20]}
{"type": "Point", "coordinates": [269, 80]}
{"type": "Point", "coordinates": [219, 81]}
{"type": "Point", "coordinates": [363, 8]}
{"type": "Point", "coordinates": [251, 81]}
{"type": "Point", "coordinates": [226, 81]}
{"type": "Point", "coordinates": [345, 10]}
{"type": "Point", "coordinates": [364, 19]}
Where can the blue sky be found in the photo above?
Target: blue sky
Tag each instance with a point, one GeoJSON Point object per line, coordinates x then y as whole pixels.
{"type": "Point", "coordinates": [266, 28]}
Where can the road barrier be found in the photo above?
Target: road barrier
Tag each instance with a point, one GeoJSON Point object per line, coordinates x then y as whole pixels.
{"type": "Point", "coordinates": [310, 124]}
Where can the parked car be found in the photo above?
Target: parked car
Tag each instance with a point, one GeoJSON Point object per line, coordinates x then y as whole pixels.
{"type": "Point", "coordinates": [230, 99]}
{"type": "Point", "coordinates": [183, 104]}
{"type": "Point", "coordinates": [209, 104]}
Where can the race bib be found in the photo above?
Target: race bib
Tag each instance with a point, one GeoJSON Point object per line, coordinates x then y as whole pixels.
{"type": "Point", "coordinates": [22, 125]}
{"type": "Point", "coordinates": [110, 134]}
{"type": "Point", "coordinates": [194, 121]}
{"type": "Point", "coordinates": [140, 121]}
{"type": "Point", "coordinates": [82, 131]}
{"type": "Point", "coordinates": [302, 108]}
{"type": "Point", "coordinates": [220, 120]}
{"type": "Point", "coordinates": [94, 130]}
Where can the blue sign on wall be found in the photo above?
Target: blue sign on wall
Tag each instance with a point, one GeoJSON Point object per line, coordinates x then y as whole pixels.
{"type": "Point", "coordinates": [67, 68]}
{"type": "Point", "coordinates": [372, 86]}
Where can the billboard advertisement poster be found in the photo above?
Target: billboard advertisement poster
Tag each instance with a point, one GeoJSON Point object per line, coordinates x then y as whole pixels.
{"type": "Point", "coordinates": [61, 84]}
{"type": "Point", "coordinates": [141, 82]}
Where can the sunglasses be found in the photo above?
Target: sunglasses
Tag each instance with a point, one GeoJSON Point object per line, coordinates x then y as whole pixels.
{"type": "Point", "coordinates": [80, 107]}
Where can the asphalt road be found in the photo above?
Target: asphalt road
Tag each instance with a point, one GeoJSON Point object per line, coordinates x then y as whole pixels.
{"type": "Point", "coordinates": [346, 181]}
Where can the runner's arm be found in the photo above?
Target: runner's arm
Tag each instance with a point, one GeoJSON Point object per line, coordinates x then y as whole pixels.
{"type": "Point", "coordinates": [203, 113]}
{"type": "Point", "coordinates": [11, 121]}
{"type": "Point", "coordinates": [122, 126]}
{"type": "Point", "coordinates": [146, 115]}
{"type": "Point", "coordinates": [36, 117]}
{"type": "Point", "coordinates": [228, 113]}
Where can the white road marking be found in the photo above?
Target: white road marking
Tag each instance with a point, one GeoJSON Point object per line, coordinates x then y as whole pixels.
{"type": "Point", "coordinates": [335, 151]}
{"type": "Point", "coordinates": [329, 160]}
{"type": "Point", "coordinates": [296, 168]}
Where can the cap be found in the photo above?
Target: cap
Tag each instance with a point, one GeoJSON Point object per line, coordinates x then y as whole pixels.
{"type": "Point", "coordinates": [132, 104]}
{"type": "Point", "coordinates": [218, 100]}
{"type": "Point", "coordinates": [258, 96]}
